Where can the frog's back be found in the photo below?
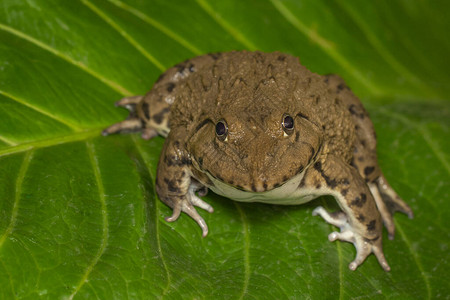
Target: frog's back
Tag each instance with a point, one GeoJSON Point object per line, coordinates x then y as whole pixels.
{"type": "Point", "coordinates": [258, 82]}
{"type": "Point", "coordinates": [239, 81]}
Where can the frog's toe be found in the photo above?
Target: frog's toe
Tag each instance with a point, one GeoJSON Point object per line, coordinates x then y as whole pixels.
{"type": "Point", "coordinates": [129, 102]}
{"type": "Point", "coordinates": [198, 201]}
{"type": "Point", "coordinates": [188, 208]}
{"type": "Point", "coordinates": [202, 204]}
{"type": "Point", "coordinates": [346, 236]}
{"type": "Point", "coordinates": [363, 249]}
{"type": "Point", "coordinates": [392, 199]}
{"type": "Point", "coordinates": [187, 205]}
{"type": "Point", "coordinates": [337, 219]}
{"type": "Point", "coordinates": [386, 215]}
{"type": "Point", "coordinates": [192, 212]}
{"type": "Point", "coordinates": [378, 251]}
{"type": "Point", "coordinates": [130, 125]}
{"type": "Point", "coordinates": [175, 214]}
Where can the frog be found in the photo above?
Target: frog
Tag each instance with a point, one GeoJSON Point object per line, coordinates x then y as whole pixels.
{"type": "Point", "coordinates": [260, 127]}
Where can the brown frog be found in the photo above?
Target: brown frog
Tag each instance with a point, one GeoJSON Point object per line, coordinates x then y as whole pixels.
{"type": "Point", "coordinates": [260, 127]}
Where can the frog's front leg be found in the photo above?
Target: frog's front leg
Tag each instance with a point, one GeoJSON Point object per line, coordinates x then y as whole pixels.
{"type": "Point", "coordinates": [174, 183]}
{"type": "Point", "coordinates": [360, 222]}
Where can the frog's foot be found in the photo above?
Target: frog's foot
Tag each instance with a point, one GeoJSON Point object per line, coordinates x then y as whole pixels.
{"type": "Point", "coordinates": [392, 200]}
{"type": "Point", "coordinates": [388, 202]}
{"type": "Point", "coordinates": [364, 246]}
{"type": "Point", "coordinates": [186, 204]}
{"type": "Point", "coordinates": [132, 123]}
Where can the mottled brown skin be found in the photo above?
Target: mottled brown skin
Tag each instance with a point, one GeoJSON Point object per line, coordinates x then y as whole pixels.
{"type": "Point", "coordinates": [331, 149]}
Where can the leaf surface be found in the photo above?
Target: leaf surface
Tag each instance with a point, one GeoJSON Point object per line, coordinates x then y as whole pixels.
{"type": "Point", "coordinates": [79, 216]}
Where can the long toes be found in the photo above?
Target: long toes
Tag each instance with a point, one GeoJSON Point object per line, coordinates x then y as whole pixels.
{"type": "Point", "coordinates": [192, 212]}
{"type": "Point", "coordinates": [381, 259]}
{"type": "Point", "coordinates": [346, 236]}
{"type": "Point", "coordinates": [390, 227]}
{"type": "Point", "coordinates": [353, 265]}
{"type": "Point", "coordinates": [129, 101]}
{"type": "Point", "coordinates": [398, 205]}
{"type": "Point", "coordinates": [202, 204]}
{"type": "Point", "coordinates": [337, 219]}
{"type": "Point", "coordinates": [407, 210]}
{"type": "Point", "coordinates": [317, 211]}
{"type": "Point", "coordinates": [129, 125]}
{"type": "Point", "coordinates": [333, 236]}
{"type": "Point", "coordinates": [359, 259]}
{"type": "Point", "coordinates": [175, 214]}
{"type": "Point", "coordinates": [363, 249]}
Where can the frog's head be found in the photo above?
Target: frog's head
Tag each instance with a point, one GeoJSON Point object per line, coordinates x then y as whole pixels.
{"type": "Point", "coordinates": [262, 130]}
{"type": "Point", "coordinates": [255, 149]}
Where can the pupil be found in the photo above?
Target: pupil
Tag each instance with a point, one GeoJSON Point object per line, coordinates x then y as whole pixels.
{"type": "Point", "coordinates": [220, 129]}
{"type": "Point", "coordinates": [288, 122]}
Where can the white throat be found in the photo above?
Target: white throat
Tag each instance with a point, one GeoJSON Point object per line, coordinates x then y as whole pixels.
{"type": "Point", "coordinates": [286, 194]}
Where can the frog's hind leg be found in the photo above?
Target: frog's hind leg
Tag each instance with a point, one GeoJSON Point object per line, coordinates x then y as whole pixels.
{"type": "Point", "coordinates": [388, 202]}
{"type": "Point", "coordinates": [133, 123]}
{"type": "Point", "coordinates": [393, 201]}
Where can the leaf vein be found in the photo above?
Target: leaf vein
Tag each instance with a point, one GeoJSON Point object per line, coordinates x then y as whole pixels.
{"type": "Point", "coordinates": [246, 234]}
{"type": "Point", "coordinates": [10, 278]}
{"type": "Point", "coordinates": [105, 232]}
{"type": "Point", "coordinates": [20, 177]}
{"type": "Point", "coordinates": [7, 141]}
{"type": "Point", "coordinates": [425, 134]}
{"type": "Point", "coordinates": [113, 85]}
{"type": "Point", "coordinates": [325, 45]}
{"type": "Point", "coordinates": [161, 27]}
{"type": "Point", "coordinates": [340, 257]}
{"type": "Point", "coordinates": [124, 34]}
{"type": "Point", "coordinates": [41, 111]}
{"type": "Point", "coordinates": [157, 229]}
{"type": "Point", "coordinates": [415, 257]}
{"type": "Point", "coordinates": [388, 57]}
{"type": "Point", "coordinates": [78, 136]}
{"type": "Point", "coordinates": [236, 34]}
{"type": "Point", "coordinates": [298, 235]}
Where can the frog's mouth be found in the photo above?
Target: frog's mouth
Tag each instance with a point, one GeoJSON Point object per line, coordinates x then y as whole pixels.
{"type": "Point", "coordinates": [281, 194]}
{"type": "Point", "coordinates": [225, 186]}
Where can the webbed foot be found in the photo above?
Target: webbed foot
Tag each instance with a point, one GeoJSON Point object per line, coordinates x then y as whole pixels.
{"type": "Point", "coordinates": [364, 246]}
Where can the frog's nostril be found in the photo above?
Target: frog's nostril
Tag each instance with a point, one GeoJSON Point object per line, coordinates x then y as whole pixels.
{"type": "Point", "coordinates": [270, 154]}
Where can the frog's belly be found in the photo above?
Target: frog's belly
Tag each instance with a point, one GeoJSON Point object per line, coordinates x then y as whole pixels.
{"type": "Point", "coordinates": [287, 194]}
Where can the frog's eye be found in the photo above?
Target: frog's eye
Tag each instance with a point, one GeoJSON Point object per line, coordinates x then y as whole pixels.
{"type": "Point", "coordinates": [221, 130]}
{"type": "Point", "coordinates": [288, 124]}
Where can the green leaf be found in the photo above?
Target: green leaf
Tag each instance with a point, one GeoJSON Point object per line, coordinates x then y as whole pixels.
{"type": "Point", "coordinates": [79, 217]}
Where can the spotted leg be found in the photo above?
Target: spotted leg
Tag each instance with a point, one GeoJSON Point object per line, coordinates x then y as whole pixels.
{"type": "Point", "coordinates": [174, 184]}
{"type": "Point", "coordinates": [359, 222]}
